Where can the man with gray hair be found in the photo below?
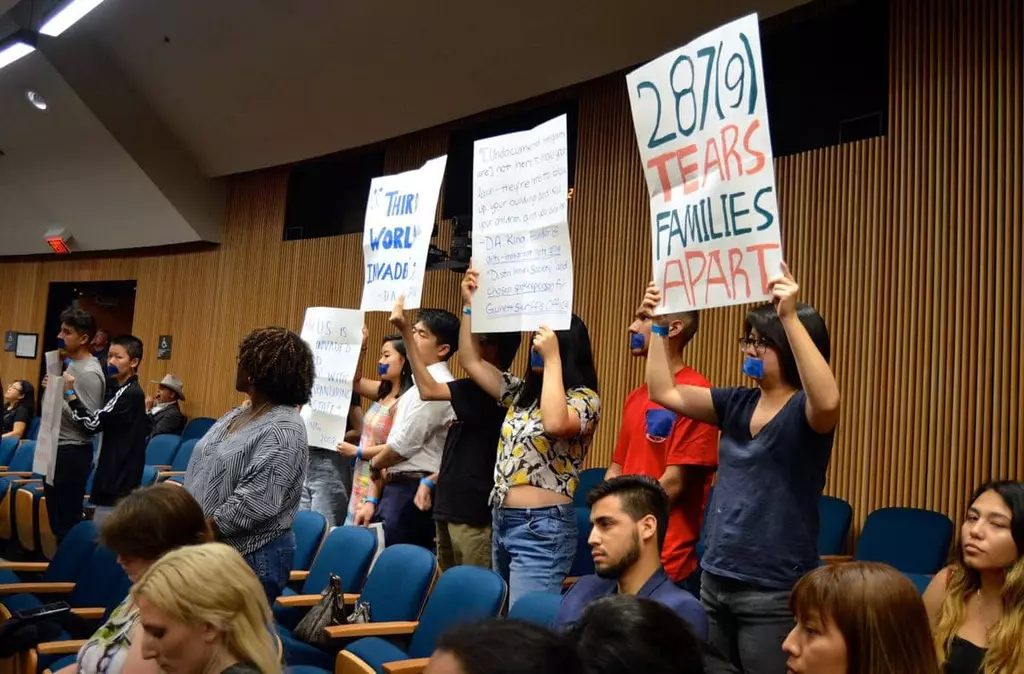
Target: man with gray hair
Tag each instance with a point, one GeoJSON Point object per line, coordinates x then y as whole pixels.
{"type": "Point", "coordinates": [682, 454]}
{"type": "Point", "coordinates": [162, 409]}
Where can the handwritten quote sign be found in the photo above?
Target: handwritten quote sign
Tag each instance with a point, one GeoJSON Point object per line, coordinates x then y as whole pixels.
{"type": "Point", "coordinates": [702, 128]}
{"type": "Point", "coordinates": [521, 230]}
{"type": "Point", "coordinates": [335, 336]}
{"type": "Point", "coordinates": [400, 216]}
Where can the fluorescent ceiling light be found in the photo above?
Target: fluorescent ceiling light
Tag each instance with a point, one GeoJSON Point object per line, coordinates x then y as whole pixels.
{"type": "Point", "coordinates": [67, 15]}
{"type": "Point", "coordinates": [15, 47]}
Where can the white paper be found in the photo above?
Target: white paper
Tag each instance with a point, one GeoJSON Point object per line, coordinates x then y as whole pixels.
{"type": "Point", "coordinates": [335, 336]}
{"type": "Point", "coordinates": [400, 214]}
{"type": "Point", "coordinates": [44, 460]}
{"type": "Point", "coordinates": [521, 242]}
{"type": "Point", "coordinates": [702, 129]}
{"type": "Point", "coordinates": [25, 347]}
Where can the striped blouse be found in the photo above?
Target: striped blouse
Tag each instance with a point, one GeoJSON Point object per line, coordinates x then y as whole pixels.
{"type": "Point", "coordinates": [250, 481]}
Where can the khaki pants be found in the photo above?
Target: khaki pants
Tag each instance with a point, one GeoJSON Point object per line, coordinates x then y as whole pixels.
{"type": "Point", "coordinates": [459, 544]}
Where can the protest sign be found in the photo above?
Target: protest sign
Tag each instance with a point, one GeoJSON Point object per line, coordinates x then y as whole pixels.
{"type": "Point", "coordinates": [400, 214]}
{"type": "Point", "coordinates": [44, 460]}
{"type": "Point", "coordinates": [521, 230]}
{"type": "Point", "coordinates": [335, 336]}
{"type": "Point", "coordinates": [702, 128]}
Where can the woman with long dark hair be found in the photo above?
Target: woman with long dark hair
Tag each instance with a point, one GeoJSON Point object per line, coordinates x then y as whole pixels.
{"type": "Point", "coordinates": [774, 451]}
{"type": "Point", "coordinates": [19, 408]}
{"type": "Point", "coordinates": [977, 603]}
{"type": "Point", "coordinates": [552, 415]}
{"type": "Point", "coordinates": [395, 374]}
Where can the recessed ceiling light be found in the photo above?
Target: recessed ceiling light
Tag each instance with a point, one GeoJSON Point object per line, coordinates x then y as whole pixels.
{"type": "Point", "coordinates": [36, 99]}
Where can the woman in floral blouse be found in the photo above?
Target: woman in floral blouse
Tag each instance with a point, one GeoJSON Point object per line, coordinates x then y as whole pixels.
{"type": "Point", "coordinates": [552, 416]}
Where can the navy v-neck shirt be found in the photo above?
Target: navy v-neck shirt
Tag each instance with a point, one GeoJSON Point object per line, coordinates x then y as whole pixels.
{"type": "Point", "coordinates": [763, 522]}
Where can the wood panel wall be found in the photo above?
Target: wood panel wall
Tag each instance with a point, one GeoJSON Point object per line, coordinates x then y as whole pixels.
{"type": "Point", "coordinates": [910, 245]}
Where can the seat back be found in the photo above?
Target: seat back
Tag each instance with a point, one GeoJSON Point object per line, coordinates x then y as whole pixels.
{"type": "Point", "coordinates": [911, 540]}
{"type": "Point", "coordinates": [184, 455]}
{"type": "Point", "coordinates": [100, 581]}
{"type": "Point", "coordinates": [834, 518]}
{"type": "Point", "coordinates": [79, 543]}
{"type": "Point", "coordinates": [399, 582]}
{"type": "Point", "coordinates": [32, 432]}
{"type": "Point", "coordinates": [588, 479]}
{"type": "Point", "coordinates": [7, 449]}
{"type": "Point", "coordinates": [161, 449]}
{"type": "Point", "coordinates": [920, 580]}
{"type": "Point", "coordinates": [463, 594]}
{"type": "Point", "coordinates": [583, 562]}
{"type": "Point", "coordinates": [196, 428]}
{"type": "Point", "coordinates": [539, 608]}
{"type": "Point", "coordinates": [347, 553]}
{"type": "Point", "coordinates": [148, 476]}
{"type": "Point", "coordinates": [309, 528]}
{"type": "Point", "coordinates": [22, 460]}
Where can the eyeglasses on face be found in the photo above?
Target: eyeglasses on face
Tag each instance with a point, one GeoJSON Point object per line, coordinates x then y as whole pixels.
{"type": "Point", "coordinates": [759, 344]}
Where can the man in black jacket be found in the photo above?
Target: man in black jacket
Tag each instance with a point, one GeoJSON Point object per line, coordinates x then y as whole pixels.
{"type": "Point", "coordinates": [123, 422]}
{"type": "Point", "coordinates": [165, 415]}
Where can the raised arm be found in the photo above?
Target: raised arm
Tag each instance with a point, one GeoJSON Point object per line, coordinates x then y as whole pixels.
{"type": "Point", "coordinates": [557, 417]}
{"type": "Point", "coordinates": [483, 373]}
{"type": "Point", "coordinates": [429, 387]}
{"type": "Point", "coordinates": [690, 401]}
{"type": "Point", "coordinates": [820, 387]}
{"type": "Point", "coordinates": [367, 388]}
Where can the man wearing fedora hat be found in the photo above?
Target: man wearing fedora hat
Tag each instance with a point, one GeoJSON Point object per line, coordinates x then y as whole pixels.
{"type": "Point", "coordinates": [162, 409]}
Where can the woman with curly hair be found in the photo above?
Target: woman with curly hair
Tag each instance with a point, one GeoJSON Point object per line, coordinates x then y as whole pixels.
{"type": "Point", "coordinates": [247, 471]}
{"type": "Point", "coordinates": [976, 605]}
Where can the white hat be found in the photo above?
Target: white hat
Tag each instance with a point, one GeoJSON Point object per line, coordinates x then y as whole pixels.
{"type": "Point", "coordinates": [172, 382]}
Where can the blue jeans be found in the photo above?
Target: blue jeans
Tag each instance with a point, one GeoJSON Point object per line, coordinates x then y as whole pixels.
{"type": "Point", "coordinates": [748, 623]}
{"type": "Point", "coordinates": [533, 548]}
{"type": "Point", "coordinates": [326, 487]}
{"type": "Point", "coordinates": [272, 564]}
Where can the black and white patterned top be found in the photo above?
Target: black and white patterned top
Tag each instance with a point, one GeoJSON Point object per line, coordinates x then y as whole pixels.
{"type": "Point", "coordinates": [250, 481]}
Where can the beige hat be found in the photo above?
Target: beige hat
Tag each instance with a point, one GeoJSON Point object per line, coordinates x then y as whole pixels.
{"type": "Point", "coordinates": [172, 382]}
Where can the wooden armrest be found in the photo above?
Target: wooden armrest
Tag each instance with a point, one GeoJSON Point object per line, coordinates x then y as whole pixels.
{"type": "Point", "coordinates": [164, 474]}
{"type": "Point", "coordinates": [16, 473]}
{"type": "Point", "coordinates": [37, 588]}
{"type": "Point", "coordinates": [27, 480]}
{"type": "Point", "coordinates": [298, 575]}
{"type": "Point", "coordinates": [90, 613]}
{"type": "Point", "coordinates": [569, 582]}
{"type": "Point", "coordinates": [32, 567]}
{"type": "Point", "coordinates": [298, 600]}
{"type": "Point", "coordinates": [60, 647]}
{"type": "Point", "coordinates": [411, 666]}
{"type": "Point", "coordinates": [371, 629]}
{"type": "Point", "coordinates": [836, 559]}
{"type": "Point", "coordinates": [160, 466]}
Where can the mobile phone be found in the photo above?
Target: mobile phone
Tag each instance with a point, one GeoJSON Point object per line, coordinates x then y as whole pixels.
{"type": "Point", "coordinates": [44, 610]}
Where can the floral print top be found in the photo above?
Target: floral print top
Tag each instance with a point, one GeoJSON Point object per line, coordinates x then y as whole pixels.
{"type": "Point", "coordinates": [528, 455]}
{"type": "Point", "coordinates": [107, 650]}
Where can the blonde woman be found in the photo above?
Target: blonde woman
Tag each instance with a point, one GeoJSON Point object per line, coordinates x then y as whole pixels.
{"type": "Point", "coordinates": [203, 611]}
{"type": "Point", "coordinates": [976, 605]}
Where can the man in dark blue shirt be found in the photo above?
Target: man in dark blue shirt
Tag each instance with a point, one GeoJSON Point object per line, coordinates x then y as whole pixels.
{"type": "Point", "coordinates": [629, 515]}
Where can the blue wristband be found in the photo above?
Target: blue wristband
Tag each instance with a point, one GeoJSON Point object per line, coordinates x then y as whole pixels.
{"type": "Point", "coordinates": [372, 499]}
{"type": "Point", "coordinates": [359, 452]}
{"type": "Point", "coordinates": [427, 481]}
{"type": "Point", "coordinates": [70, 392]}
{"type": "Point", "coordinates": [467, 311]}
{"type": "Point", "coordinates": [660, 330]}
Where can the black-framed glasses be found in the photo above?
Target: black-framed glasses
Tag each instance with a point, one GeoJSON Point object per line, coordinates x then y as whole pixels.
{"type": "Point", "coordinates": [759, 344]}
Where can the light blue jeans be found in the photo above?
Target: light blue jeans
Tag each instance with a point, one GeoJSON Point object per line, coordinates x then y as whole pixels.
{"type": "Point", "coordinates": [533, 548]}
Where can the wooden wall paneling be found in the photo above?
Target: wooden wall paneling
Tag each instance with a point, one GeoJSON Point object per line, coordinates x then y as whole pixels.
{"type": "Point", "coordinates": [909, 245]}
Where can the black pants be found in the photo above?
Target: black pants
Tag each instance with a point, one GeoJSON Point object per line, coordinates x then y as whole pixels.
{"type": "Point", "coordinates": [403, 521]}
{"type": "Point", "coordinates": [64, 497]}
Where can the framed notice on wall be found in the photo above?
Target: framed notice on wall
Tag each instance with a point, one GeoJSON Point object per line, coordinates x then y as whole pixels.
{"type": "Point", "coordinates": [27, 345]}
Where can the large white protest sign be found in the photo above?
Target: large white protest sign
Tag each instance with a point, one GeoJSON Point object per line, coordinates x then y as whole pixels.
{"type": "Point", "coordinates": [521, 230]}
{"type": "Point", "coordinates": [400, 215]}
{"type": "Point", "coordinates": [702, 128]}
{"type": "Point", "coordinates": [44, 460]}
{"type": "Point", "coordinates": [335, 336]}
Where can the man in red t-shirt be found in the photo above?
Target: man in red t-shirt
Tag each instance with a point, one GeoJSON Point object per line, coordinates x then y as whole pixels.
{"type": "Point", "coordinates": [680, 453]}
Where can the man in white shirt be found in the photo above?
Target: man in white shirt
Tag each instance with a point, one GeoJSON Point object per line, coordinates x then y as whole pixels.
{"type": "Point", "coordinates": [417, 437]}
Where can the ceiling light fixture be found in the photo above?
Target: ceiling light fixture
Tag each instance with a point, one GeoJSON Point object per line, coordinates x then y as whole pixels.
{"type": "Point", "coordinates": [16, 46]}
{"type": "Point", "coordinates": [67, 14]}
{"type": "Point", "coordinates": [36, 99]}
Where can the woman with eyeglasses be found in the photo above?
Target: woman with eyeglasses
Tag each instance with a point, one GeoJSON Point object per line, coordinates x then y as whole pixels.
{"type": "Point", "coordinates": [773, 454]}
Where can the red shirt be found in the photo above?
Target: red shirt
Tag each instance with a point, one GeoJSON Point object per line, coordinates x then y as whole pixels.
{"type": "Point", "coordinates": [690, 443]}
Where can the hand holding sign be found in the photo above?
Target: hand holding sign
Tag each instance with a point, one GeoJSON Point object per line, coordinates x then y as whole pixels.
{"type": "Point", "coordinates": [652, 300]}
{"type": "Point", "coordinates": [545, 342]}
{"type": "Point", "coordinates": [784, 291]}
{"type": "Point", "coordinates": [470, 282]}
{"type": "Point", "coordinates": [398, 313]}
{"type": "Point", "coordinates": [69, 381]}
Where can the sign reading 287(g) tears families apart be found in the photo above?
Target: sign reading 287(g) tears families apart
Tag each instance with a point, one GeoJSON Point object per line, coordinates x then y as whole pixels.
{"type": "Point", "coordinates": [702, 128]}
{"type": "Point", "coordinates": [400, 216]}
{"type": "Point", "coordinates": [521, 230]}
{"type": "Point", "coordinates": [335, 336]}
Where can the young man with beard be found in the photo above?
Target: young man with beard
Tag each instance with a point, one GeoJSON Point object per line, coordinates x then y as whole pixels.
{"type": "Point", "coordinates": [629, 515]}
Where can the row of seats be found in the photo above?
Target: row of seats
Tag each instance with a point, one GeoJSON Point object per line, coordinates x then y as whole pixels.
{"type": "Point", "coordinates": [194, 429]}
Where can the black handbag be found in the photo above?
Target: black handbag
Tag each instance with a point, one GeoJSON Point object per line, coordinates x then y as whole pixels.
{"type": "Point", "coordinates": [330, 610]}
{"type": "Point", "coordinates": [30, 627]}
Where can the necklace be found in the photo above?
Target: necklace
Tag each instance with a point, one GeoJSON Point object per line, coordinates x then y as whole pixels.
{"type": "Point", "coordinates": [242, 419]}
